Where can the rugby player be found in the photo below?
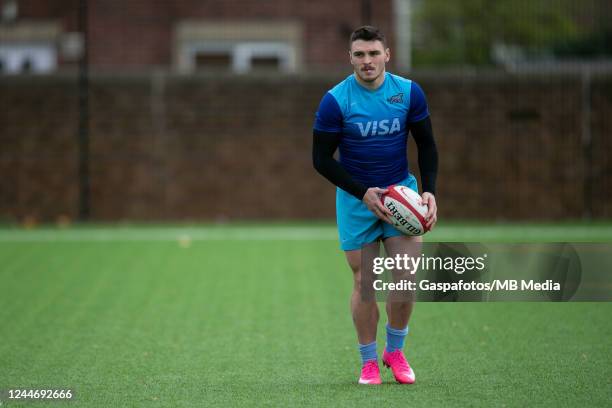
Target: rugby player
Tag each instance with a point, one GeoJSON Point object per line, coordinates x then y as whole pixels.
{"type": "Point", "coordinates": [368, 117]}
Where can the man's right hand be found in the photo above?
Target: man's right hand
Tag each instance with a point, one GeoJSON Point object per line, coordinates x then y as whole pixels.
{"type": "Point", "coordinates": [372, 200]}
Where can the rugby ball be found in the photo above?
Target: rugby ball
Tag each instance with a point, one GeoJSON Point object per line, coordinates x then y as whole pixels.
{"type": "Point", "coordinates": [408, 215]}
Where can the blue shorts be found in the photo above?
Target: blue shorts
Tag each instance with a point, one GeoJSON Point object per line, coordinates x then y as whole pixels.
{"type": "Point", "coordinates": [358, 226]}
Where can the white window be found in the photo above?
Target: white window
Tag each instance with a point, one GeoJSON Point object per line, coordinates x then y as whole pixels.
{"type": "Point", "coordinates": [238, 46]}
{"type": "Point", "coordinates": [263, 56]}
{"type": "Point", "coordinates": [206, 55]}
{"type": "Point", "coordinates": [240, 57]}
{"type": "Point", "coordinates": [24, 57]}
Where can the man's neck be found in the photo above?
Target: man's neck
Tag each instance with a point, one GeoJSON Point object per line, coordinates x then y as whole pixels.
{"type": "Point", "coordinates": [374, 85]}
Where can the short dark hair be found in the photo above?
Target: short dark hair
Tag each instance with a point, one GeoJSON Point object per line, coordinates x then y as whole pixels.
{"type": "Point", "coordinates": [367, 33]}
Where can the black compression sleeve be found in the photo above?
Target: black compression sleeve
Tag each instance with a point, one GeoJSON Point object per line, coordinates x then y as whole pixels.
{"type": "Point", "coordinates": [428, 153]}
{"type": "Point", "coordinates": [323, 147]}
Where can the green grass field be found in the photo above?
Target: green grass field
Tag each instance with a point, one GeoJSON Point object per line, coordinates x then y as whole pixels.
{"type": "Point", "coordinates": [253, 315]}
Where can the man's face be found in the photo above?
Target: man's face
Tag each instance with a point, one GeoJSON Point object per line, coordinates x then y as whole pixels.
{"type": "Point", "coordinates": [368, 59]}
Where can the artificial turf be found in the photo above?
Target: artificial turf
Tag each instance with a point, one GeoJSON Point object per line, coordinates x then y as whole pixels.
{"type": "Point", "coordinates": [259, 316]}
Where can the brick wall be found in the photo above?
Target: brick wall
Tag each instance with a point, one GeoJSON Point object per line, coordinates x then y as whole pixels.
{"type": "Point", "coordinates": [203, 147]}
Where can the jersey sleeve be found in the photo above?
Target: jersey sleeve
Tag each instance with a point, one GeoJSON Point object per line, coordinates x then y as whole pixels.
{"type": "Point", "coordinates": [418, 104]}
{"type": "Point", "coordinates": [329, 115]}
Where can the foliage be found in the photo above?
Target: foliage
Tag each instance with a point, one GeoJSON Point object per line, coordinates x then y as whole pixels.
{"type": "Point", "coordinates": [466, 31]}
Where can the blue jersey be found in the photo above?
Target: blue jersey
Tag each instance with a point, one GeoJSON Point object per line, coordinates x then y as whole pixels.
{"type": "Point", "coordinates": [373, 124]}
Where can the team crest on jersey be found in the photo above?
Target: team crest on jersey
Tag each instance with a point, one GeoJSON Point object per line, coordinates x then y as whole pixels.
{"type": "Point", "coordinates": [399, 98]}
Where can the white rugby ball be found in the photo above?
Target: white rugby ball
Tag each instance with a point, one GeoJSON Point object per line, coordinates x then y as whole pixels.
{"type": "Point", "coordinates": [408, 215]}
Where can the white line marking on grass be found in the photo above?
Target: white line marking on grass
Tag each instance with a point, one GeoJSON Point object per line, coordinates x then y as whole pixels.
{"type": "Point", "coordinates": [186, 235]}
{"type": "Point", "coordinates": [522, 233]}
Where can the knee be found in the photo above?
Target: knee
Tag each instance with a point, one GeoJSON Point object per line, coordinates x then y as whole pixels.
{"type": "Point", "coordinates": [357, 277]}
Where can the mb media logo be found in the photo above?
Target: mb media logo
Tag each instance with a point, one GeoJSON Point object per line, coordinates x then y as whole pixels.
{"type": "Point", "coordinates": [399, 98]}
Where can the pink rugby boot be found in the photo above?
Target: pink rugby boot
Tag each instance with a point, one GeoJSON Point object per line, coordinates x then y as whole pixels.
{"type": "Point", "coordinates": [399, 366]}
{"type": "Point", "coordinates": [370, 373]}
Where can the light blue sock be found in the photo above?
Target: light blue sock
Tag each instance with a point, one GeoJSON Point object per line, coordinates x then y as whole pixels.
{"type": "Point", "coordinates": [368, 352]}
{"type": "Point", "coordinates": [395, 339]}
